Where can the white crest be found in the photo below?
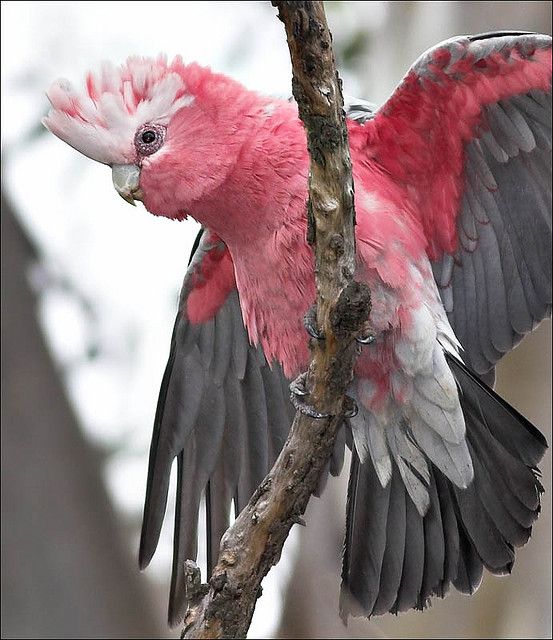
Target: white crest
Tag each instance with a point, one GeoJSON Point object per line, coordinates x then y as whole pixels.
{"type": "Point", "coordinates": [101, 121]}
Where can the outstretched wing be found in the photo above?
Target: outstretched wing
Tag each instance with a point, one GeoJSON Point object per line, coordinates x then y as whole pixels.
{"type": "Point", "coordinates": [223, 412]}
{"type": "Point", "coordinates": [467, 139]}
{"type": "Point", "coordinates": [467, 134]}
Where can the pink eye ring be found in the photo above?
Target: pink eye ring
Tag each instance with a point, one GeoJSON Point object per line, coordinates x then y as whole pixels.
{"type": "Point", "coordinates": [149, 138]}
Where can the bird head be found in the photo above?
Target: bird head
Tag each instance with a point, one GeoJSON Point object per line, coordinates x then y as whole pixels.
{"type": "Point", "coordinates": [170, 132]}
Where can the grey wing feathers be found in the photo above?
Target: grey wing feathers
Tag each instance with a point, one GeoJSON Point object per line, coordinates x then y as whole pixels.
{"type": "Point", "coordinates": [224, 413]}
{"type": "Point", "coordinates": [497, 286]}
{"type": "Point", "coordinates": [396, 559]}
{"type": "Point", "coordinates": [359, 110]}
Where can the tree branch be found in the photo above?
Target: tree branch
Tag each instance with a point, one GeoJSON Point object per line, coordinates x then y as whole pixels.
{"type": "Point", "coordinates": [254, 542]}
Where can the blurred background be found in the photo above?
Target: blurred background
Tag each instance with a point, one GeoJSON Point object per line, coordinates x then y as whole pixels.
{"type": "Point", "coordinates": [89, 292]}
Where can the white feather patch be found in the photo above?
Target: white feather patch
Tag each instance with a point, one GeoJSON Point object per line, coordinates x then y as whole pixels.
{"type": "Point", "coordinates": [378, 449]}
{"type": "Point", "coordinates": [453, 460]}
{"type": "Point", "coordinates": [414, 349]}
{"type": "Point", "coordinates": [408, 458]}
{"type": "Point", "coordinates": [101, 121]}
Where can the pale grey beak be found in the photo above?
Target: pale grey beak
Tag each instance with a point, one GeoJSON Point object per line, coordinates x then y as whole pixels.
{"type": "Point", "coordinates": [126, 179]}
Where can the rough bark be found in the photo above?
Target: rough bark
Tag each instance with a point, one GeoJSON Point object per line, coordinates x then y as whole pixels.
{"type": "Point", "coordinates": [224, 608]}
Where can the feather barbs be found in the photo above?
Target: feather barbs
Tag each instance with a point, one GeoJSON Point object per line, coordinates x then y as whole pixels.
{"type": "Point", "coordinates": [100, 121]}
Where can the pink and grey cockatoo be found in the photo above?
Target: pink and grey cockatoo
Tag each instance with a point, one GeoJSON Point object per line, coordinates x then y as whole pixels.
{"type": "Point", "coordinates": [453, 200]}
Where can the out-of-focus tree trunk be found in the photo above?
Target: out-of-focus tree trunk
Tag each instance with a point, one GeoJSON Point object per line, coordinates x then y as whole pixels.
{"type": "Point", "coordinates": [517, 606]}
{"type": "Point", "coordinates": [66, 568]}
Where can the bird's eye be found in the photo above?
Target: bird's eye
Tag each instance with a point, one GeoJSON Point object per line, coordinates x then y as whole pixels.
{"type": "Point", "coordinates": [149, 138]}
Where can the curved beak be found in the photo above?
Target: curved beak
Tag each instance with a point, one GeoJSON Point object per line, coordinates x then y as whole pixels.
{"type": "Point", "coordinates": [126, 180]}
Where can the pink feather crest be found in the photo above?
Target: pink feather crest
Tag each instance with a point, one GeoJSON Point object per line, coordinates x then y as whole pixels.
{"type": "Point", "coordinates": [101, 120]}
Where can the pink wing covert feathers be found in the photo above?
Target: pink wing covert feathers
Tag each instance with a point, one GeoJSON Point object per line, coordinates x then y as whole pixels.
{"type": "Point", "coordinates": [467, 139]}
{"type": "Point", "coordinates": [419, 135]}
{"type": "Point", "coordinates": [211, 282]}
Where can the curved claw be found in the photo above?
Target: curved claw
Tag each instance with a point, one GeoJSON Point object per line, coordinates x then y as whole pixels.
{"type": "Point", "coordinates": [313, 332]}
{"type": "Point", "coordinates": [298, 392]}
{"type": "Point", "coordinates": [350, 407]}
{"type": "Point", "coordinates": [368, 339]}
{"type": "Point", "coordinates": [297, 386]}
{"type": "Point", "coordinates": [310, 324]}
{"type": "Point", "coordinates": [307, 409]}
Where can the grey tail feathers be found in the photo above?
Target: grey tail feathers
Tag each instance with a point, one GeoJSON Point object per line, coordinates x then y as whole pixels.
{"type": "Point", "coordinates": [395, 560]}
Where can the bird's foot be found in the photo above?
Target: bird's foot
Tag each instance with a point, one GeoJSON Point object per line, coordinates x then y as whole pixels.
{"type": "Point", "coordinates": [298, 391]}
{"type": "Point", "coordinates": [310, 323]}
